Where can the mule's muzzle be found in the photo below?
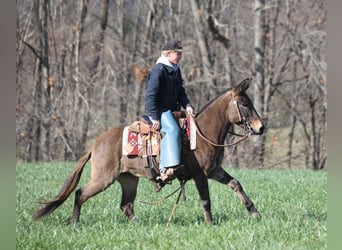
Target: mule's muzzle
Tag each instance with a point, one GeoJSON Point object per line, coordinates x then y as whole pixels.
{"type": "Point", "coordinates": [256, 127]}
{"type": "Point", "coordinates": [258, 131]}
{"type": "Point", "coordinates": [261, 130]}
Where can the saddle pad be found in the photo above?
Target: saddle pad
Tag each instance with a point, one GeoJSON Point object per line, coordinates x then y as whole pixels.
{"type": "Point", "coordinates": [188, 133]}
{"type": "Point", "coordinates": [135, 144]}
{"type": "Point", "coordinates": [191, 132]}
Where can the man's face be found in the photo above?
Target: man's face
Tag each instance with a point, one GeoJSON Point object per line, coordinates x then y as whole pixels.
{"type": "Point", "coordinates": [174, 56]}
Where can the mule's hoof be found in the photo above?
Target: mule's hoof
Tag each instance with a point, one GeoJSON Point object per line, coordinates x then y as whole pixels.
{"type": "Point", "coordinates": [256, 215]}
{"type": "Point", "coordinates": [134, 219]}
{"type": "Point", "coordinates": [157, 187]}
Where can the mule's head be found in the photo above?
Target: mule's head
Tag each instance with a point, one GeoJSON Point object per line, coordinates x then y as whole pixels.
{"type": "Point", "coordinates": [241, 110]}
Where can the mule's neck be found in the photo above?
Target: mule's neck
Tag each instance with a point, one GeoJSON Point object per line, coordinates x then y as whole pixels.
{"type": "Point", "coordinates": [213, 122]}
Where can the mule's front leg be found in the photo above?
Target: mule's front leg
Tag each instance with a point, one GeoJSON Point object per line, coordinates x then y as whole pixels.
{"type": "Point", "coordinates": [223, 177]}
{"type": "Point", "coordinates": [236, 186]}
{"type": "Point", "coordinates": [203, 190]}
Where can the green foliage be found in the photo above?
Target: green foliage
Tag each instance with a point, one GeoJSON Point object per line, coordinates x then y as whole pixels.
{"type": "Point", "coordinates": [293, 204]}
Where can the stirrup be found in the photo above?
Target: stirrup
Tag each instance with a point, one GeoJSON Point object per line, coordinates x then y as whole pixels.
{"type": "Point", "coordinates": [169, 174]}
{"type": "Point", "coordinates": [165, 177]}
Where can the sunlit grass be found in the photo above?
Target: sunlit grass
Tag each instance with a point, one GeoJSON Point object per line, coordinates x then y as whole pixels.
{"type": "Point", "coordinates": [293, 204]}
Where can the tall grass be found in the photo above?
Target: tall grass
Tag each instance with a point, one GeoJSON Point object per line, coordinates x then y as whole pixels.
{"type": "Point", "coordinates": [293, 204]}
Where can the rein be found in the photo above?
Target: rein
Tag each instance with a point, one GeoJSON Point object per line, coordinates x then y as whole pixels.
{"type": "Point", "coordinates": [236, 134]}
{"type": "Point", "coordinates": [246, 136]}
{"type": "Point", "coordinates": [181, 188]}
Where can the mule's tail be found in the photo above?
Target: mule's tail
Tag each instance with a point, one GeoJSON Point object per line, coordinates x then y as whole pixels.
{"type": "Point", "coordinates": [69, 185]}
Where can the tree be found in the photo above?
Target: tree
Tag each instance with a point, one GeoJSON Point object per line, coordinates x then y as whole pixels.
{"type": "Point", "coordinates": [259, 85]}
{"type": "Point", "coordinates": [82, 65]}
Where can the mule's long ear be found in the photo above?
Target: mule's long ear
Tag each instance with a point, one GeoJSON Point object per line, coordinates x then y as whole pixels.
{"type": "Point", "coordinates": [242, 86]}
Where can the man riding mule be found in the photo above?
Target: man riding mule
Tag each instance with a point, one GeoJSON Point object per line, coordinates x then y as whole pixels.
{"type": "Point", "coordinates": [108, 164]}
{"type": "Point", "coordinates": [141, 140]}
{"type": "Point", "coordinates": [164, 94]}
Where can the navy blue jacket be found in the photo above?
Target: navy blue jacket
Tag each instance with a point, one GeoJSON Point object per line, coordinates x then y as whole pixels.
{"type": "Point", "coordinates": [164, 91]}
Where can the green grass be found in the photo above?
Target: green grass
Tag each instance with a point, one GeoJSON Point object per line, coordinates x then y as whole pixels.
{"type": "Point", "coordinates": [293, 204]}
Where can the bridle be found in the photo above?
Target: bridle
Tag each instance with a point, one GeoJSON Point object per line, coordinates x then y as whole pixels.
{"type": "Point", "coordinates": [244, 123]}
{"type": "Point", "coordinates": [242, 117]}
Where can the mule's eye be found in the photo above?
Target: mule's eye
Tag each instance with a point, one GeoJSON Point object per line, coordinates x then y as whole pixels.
{"type": "Point", "coordinates": [243, 103]}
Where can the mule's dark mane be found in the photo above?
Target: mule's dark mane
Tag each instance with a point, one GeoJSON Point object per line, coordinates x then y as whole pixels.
{"type": "Point", "coordinates": [213, 100]}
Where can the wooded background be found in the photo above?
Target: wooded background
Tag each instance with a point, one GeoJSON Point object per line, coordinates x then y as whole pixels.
{"type": "Point", "coordinates": [82, 65]}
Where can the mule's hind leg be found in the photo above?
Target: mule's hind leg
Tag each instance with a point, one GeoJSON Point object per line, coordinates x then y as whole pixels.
{"type": "Point", "coordinates": [223, 177]}
{"type": "Point", "coordinates": [89, 190]}
{"type": "Point", "coordinates": [105, 167]}
{"type": "Point", "coordinates": [103, 175]}
{"type": "Point", "coordinates": [129, 184]}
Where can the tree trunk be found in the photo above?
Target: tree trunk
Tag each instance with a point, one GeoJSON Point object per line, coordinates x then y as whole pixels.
{"type": "Point", "coordinates": [293, 120]}
{"type": "Point", "coordinates": [95, 72]}
{"type": "Point", "coordinates": [259, 84]}
{"type": "Point", "coordinates": [34, 123]}
{"type": "Point", "coordinates": [75, 89]}
{"type": "Point", "coordinates": [44, 78]}
{"type": "Point", "coordinates": [290, 142]}
{"type": "Point", "coordinates": [204, 55]}
{"type": "Point", "coordinates": [142, 72]}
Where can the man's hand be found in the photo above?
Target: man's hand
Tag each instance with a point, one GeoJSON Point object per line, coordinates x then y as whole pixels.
{"type": "Point", "coordinates": [190, 110]}
{"type": "Point", "coordinates": [155, 124]}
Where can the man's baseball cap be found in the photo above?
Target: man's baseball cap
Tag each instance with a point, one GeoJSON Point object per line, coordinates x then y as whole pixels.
{"type": "Point", "coordinates": [174, 45]}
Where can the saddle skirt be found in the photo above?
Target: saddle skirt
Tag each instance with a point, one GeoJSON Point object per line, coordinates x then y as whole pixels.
{"type": "Point", "coordinates": [139, 139]}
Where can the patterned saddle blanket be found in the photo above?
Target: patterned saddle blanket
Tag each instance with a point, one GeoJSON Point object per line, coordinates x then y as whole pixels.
{"type": "Point", "coordinates": [139, 139]}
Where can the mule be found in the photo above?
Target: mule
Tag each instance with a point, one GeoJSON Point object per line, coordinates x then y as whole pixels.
{"type": "Point", "coordinates": [108, 164]}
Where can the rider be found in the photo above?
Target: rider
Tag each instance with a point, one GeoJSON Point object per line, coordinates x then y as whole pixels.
{"type": "Point", "coordinates": [164, 94]}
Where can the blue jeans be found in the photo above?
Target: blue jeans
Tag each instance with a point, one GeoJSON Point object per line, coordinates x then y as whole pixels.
{"type": "Point", "coordinates": [170, 148]}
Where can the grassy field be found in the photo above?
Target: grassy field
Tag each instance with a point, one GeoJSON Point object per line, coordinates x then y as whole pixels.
{"type": "Point", "coordinates": [293, 204]}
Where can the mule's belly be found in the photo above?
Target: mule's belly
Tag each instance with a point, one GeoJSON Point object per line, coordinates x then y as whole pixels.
{"type": "Point", "coordinates": [134, 165]}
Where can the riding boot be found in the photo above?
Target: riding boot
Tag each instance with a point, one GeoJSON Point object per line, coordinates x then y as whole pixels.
{"type": "Point", "coordinates": [169, 174]}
